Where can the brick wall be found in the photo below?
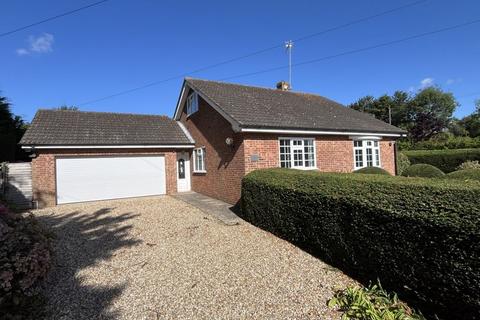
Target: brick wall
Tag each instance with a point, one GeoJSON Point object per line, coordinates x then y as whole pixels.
{"type": "Point", "coordinates": [43, 169]}
{"type": "Point", "coordinates": [224, 164]}
{"type": "Point", "coordinates": [333, 153]}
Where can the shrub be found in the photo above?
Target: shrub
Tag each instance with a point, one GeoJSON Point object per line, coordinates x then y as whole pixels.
{"type": "Point", "coordinates": [373, 302]}
{"type": "Point", "coordinates": [421, 237]}
{"type": "Point", "coordinates": [445, 160]}
{"type": "Point", "coordinates": [469, 165]}
{"type": "Point", "coordinates": [423, 170]}
{"type": "Point", "coordinates": [372, 170]}
{"type": "Point", "coordinates": [441, 144]}
{"type": "Point", "coordinates": [466, 174]}
{"type": "Point", "coordinates": [402, 163]}
{"type": "Point", "coordinates": [25, 257]}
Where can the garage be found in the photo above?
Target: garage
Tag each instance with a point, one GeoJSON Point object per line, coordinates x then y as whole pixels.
{"type": "Point", "coordinates": [102, 178]}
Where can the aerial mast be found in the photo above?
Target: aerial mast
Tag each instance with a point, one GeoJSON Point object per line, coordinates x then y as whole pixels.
{"type": "Point", "coordinates": [289, 47]}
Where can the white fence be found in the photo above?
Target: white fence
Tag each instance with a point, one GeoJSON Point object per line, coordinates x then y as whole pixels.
{"type": "Point", "coordinates": [17, 184]}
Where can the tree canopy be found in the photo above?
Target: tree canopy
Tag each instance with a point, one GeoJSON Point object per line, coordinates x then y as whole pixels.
{"type": "Point", "coordinates": [423, 115]}
{"type": "Point", "coordinates": [12, 128]}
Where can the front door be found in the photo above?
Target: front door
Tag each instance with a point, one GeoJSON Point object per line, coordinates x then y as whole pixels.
{"type": "Point", "coordinates": [183, 172]}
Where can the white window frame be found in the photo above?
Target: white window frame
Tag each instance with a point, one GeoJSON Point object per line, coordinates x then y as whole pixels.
{"type": "Point", "coordinates": [192, 103]}
{"type": "Point", "coordinates": [293, 147]}
{"type": "Point", "coordinates": [364, 148]}
{"type": "Point", "coordinates": [199, 152]}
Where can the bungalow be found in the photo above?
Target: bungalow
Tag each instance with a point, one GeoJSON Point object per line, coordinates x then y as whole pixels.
{"type": "Point", "coordinates": [219, 133]}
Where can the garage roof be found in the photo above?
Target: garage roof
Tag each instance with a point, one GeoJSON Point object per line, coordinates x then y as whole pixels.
{"type": "Point", "coordinates": [79, 128]}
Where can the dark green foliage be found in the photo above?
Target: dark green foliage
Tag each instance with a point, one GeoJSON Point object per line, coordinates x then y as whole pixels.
{"type": "Point", "coordinates": [12, 129]}
{"type": "Point", "coordinates": [423, 170]}
{"type": "Point", "coordinates": [25, 257]}
{"type": "Point", "coordinates": [445, 160]}
{"type": "Point", "coordinates": [372, 170]}
{"type": "Point", "coordinates": [420, 237]}
{"type": "Point", "coordinates": [441, 144]}
{"type": "Point", "coordinates": [466, 175]}
{"type": "Point", "coordinates": [402, 163]}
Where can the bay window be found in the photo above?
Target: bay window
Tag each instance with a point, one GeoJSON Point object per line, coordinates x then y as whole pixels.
{"type": "Point", "coordinates": [366, 153]}
{"type": "Point", "coordinates": [298, 153]}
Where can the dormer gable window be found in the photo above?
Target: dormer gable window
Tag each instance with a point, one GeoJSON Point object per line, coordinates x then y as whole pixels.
{"type": "Point", "coordinates": [192, 103]}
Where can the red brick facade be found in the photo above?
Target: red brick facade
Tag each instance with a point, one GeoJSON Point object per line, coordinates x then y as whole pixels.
{"type": "Point", "coordinates": [226, 165]}
{"type": "Point", "coordinates": [43, 169]}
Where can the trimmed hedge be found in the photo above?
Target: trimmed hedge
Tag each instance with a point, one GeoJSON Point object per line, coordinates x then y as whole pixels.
{"type": "Point", "coordinates": [372, 170]}
{"type": "Point", "coordinates": [445, 160]}
{"type": "Point", "coordinates": [420, 237]}
{"type": "Point", "coordinates": [423, 170]}
{"type": "Point", "coordinates": [466, 174]}
{"type": "Point", "coordinates": [402, 163]}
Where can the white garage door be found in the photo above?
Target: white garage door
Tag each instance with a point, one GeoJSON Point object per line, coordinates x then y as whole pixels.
{"type": "Point", "coordinates": [101, 178]}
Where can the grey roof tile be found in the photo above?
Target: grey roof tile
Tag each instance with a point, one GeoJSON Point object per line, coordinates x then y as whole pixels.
{"type": "Point", "coordinates": [66, 127]}
{"type": "Point", "coordinates": [255, 107]}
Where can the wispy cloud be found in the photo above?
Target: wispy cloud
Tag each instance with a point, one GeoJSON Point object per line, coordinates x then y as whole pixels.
{"type": "Point", "coordinates": [453, 81]}
{"type": "Point", "coordinates": [40, 44]}
{"type": "Point", "coordinates": [427, 82]}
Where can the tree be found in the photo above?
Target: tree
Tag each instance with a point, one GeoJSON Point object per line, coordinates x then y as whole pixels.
{"type": "Point", "coordinates": [472, 122]}
{"type": "Point", "coordinates": [430, 112]}
{"type": "Point", "coordinates": [12, 129]}
{"type": "Point", "coordinates": [424, 115]}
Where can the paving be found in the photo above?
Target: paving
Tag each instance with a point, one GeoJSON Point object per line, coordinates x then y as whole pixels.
{"type": "Point", "coordinates": [216, 208]}
{"type": "Point", "coordinates": [161, 258]}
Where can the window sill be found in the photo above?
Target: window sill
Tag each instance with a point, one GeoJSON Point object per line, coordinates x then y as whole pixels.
{"type": "Point", "coordinates": [200, 172]}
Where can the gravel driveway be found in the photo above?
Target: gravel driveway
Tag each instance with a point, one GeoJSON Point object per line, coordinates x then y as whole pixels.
{"type": "Point", "coordinates": [159, 258]}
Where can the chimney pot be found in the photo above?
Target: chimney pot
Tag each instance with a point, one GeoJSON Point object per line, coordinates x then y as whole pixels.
{"type": "Point", "coordinates": [283, 85]}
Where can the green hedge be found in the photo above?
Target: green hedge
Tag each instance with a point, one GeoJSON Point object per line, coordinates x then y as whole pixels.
{"type": "Point", "coordinates": [445, 160]}
{"type": "Point", "coordinates": [423, 170]}
{"type": "Point", "coordinates": [420, 237]}
{"type": "Point", "coordinates": [466, 174]}
{"type": "Point", "coordinates": [372, 170]}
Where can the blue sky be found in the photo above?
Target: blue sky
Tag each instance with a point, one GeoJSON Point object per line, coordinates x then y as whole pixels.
{"type": "Point", "coordinates": [123, 44]}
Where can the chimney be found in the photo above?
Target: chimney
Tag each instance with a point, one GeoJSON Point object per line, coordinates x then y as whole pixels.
{"type": "Point", "coordinates": [283, 85]}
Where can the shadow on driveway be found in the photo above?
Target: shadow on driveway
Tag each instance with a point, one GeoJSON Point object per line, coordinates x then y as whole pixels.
{"type": "Point", "coordinates": [83, 239]}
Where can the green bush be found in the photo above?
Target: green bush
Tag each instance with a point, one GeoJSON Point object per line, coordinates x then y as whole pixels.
{"type": "Point", "coordinates": [423, 170]}
{"type": "Point", "coordinates": [466, 174]}
{"type": "Point", "coordinates": [372, 170]}
{"type": "Point", "coordinates": [469, 165]}
{"type": "Point", "coordinates": [445, 160]}
{"type": "Point", "coordinates": [402, 163]}
{"type": "Point", "coordinates": [25, 257]}
{"type": "Point", "coordinates": [421, 237]}
{"type": "Point", "coordinates": [372, 302]}
{"type": "Point", "coordinates": [441, 144]}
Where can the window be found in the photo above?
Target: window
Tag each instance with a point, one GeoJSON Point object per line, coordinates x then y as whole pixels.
{"type": "Point", "coordinates": [298, 153]}
{"type": "Point", "coordinates": [199, 160]}
{"type": "Point", "coordinates": [366, 153]}
{"type": "Point", "coordinates": [192, 103]}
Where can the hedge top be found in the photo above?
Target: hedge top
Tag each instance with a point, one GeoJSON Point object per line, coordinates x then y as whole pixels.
{"type": "Point", "coordinates": [440, 200]}
{"type": "Point", "coordinates": [372, 170]}
{"type": "Point", "coordinates": [423, 170]}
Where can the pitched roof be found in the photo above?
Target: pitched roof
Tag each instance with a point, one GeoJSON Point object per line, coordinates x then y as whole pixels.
{"type": "Point", "coordinates": [255, 107]}
{"type": "Point", "coordinates": [66, 127]}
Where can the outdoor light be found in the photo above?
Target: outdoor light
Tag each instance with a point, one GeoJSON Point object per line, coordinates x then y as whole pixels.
{"type": "Point", "coordinates": [229, 141]}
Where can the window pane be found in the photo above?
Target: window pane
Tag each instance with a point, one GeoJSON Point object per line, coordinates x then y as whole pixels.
{"type": "Point", "coordinates": [357, 143]}
{"type": "Point", "coordinates": [285, 156]}
{"type": "Point", "coordinates": [369, 157]}
{"type": "Point", "coordinates": [375, 143]}
{"type": "Point", "coordinates": [297, 158]}
{"type": "Point", "coordinates": [377, 158]}
{"type": "Point", "coordinates": [309, 154]}
{"type": "Point", "coordinates": [359, 158]}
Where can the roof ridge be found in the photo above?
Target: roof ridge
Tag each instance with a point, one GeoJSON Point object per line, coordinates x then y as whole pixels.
{"type": "Point", "coordinates": [107, 112]}
{"type": "Point", "coordinates": [261, 87]}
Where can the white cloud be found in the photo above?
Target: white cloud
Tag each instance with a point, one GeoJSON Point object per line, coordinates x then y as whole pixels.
{"type": "Point", "coordinates": [427, 82]}
{"type": "Point", "coordinates": [22, 52]}
{"type": "Point", "coordinates": [452, 81]}
{"type": "Point", "coordinates": [40, 44]}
